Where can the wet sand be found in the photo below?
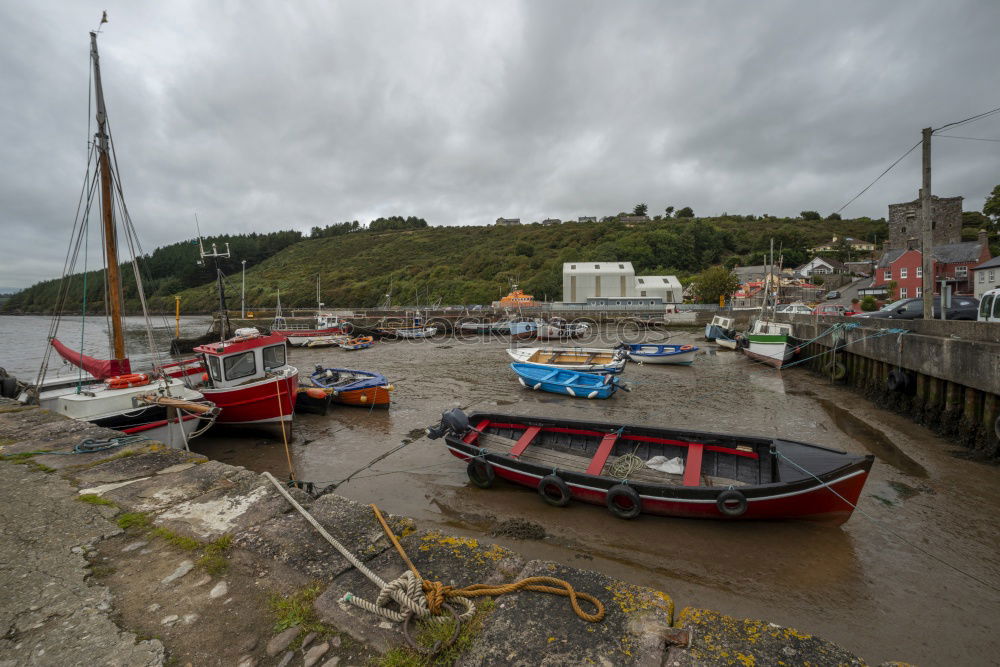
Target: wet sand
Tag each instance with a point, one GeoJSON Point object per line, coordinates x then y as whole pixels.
{"type": "Point", "coordinates": [857, 584]}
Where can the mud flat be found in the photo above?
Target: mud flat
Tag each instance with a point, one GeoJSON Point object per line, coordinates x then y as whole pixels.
{"type": "Point", "coordinates": [141, 555]}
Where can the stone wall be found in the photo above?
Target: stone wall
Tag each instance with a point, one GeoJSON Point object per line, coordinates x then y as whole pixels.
{"type": "Point", "coordinates": [905, 222]}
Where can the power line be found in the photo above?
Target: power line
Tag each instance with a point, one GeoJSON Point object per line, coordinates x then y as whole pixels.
{"type": "Point", "coordinates": [969, 119]}
{"type": "Point", "coordinates": [952, 136]}
{"type": "Point", "coordinates": [867, 187]}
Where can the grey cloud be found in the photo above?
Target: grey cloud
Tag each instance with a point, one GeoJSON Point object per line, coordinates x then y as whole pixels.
{"type": "Point", "coordinates": [261, 116]}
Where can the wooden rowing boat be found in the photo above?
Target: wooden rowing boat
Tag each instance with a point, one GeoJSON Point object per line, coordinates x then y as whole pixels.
{"type": "Point", "coordinates": [696, 474]}
{"type": "Point", "coordinates": [584, 359]}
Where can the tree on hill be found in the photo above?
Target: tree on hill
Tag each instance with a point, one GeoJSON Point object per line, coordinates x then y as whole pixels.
{"type": "Point", "coordinates": [810, 215]}
{"type": "Point", "coordinates": [992, 205]}
{"type": "Point", "coordinates": [640, 209]}
{"type": "Point", "coordinates": [713, 283]}
{"type": "Point", "coordinates": [833, 216]}
{"type": "Point", "coordinates": [670, 211]}
{"type": "Point", "coordinates": [395, 222]}
{"type": "Point", "coordinates": [685, 212]}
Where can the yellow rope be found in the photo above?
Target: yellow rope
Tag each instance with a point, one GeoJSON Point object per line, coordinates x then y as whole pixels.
{"type": "Point", "coordinates": [437, 592]}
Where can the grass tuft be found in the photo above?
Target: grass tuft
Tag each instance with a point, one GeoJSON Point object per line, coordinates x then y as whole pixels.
{"type": "Point", "coordinates": [136, 520]}
{"type": "Point", "coordinates": [179, 541]}
{"type": "Point", "coordinates": [430, 632]}
{"type": "Point", "coordinates": [213, 559]}
{"type": "Point", "coordinates": [297, 609]}
{"type": "Point", "coordinates": [94, 499]}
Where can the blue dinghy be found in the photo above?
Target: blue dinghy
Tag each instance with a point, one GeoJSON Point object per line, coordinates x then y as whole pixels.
{"type": "Point", "coordinates": [570, 383]}
{"type": "Point", "coordinates": [658, 353]}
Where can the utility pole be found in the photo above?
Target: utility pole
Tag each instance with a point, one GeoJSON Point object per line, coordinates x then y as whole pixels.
{"type": "Point", "coordinates": [243, 292]}
{"type": "Point", "coordinates": [927, 289]}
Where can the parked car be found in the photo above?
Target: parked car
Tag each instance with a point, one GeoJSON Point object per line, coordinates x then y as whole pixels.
{"type": "Point", "coordinates": [962, 308]}
{"type": "Point", "coordinates": [832, 295]}
{"type": "Point", "coordinates": [797, 308]}
{"type": "Point", "coordinates": [989, 306]}
{"type": "Point", "coordinates": [831, 309]}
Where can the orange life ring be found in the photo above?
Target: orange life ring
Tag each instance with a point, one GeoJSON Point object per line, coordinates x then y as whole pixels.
{"type": "Point", "coordinates": [126, 381]}
{"type": "Point", "coordinates": [687, 348]}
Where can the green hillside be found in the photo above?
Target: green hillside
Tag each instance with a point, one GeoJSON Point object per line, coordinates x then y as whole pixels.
{"type": "Point", "coordinates": [465, 265]}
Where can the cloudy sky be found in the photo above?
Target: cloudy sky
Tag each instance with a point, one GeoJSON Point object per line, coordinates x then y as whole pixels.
{"type": "Point", "coordinates": [268, 115]}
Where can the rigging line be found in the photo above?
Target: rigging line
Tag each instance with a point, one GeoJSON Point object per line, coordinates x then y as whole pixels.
{"type": "Point", "coordinates": [867, 187]}
{"type": "Point", "coordinates": [952, 136]}
{"type": "Point", "coordinates": [967, 120]}
{"type": "Point", "coordinates": [889, 530]}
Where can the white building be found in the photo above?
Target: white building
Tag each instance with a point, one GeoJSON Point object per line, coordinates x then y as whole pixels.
{"type": "Point", "coordinates": [615, 281]}
{"type": "Point", "coordinates": [986, 276]}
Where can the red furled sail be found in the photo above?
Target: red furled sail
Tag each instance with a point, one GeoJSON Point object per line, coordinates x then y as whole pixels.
{"type": "Point", "coordinates": [99, 368]}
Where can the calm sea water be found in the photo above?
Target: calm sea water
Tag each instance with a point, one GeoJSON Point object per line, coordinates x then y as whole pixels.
{"type": "Point", "coordinates": [23, 340]}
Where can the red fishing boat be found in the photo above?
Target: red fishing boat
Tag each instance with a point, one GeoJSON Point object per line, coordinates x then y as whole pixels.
{"type": "Point", "coordinates": [670, 472]}
{"type": "Point", "coordinates": [248, 377]}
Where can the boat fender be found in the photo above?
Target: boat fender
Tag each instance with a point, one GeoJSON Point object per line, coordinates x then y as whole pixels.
{"type": "Point", "coordinates": [554, 491]}
{"type": "Point", "coordinates": [523, 383]}
{"type": "Point", "coordinates": [9, 387]}
{"type": "Point", "coordinates": [364, 398]}
{"type": "Point", "coordinates": [731, 503]}
{"type": "Point", "coordinates": [623, 501]}
{"type": "Point", "coordinates": [315, 392]}
{"type": "Point", "coordinates": [481, 473]}
{"type": "Point", "coordinates": [836, 370]}
{"type": "Point", "coordinates": [897, 380]}
{"type": "Point", "coordinates": [592, 394]}
{"type": "Point", "coordinates": [569, 390]}
{"type": "Point", "coordinates": [538, 385]}
{"type": "Point", "coordinates": [687, 348]}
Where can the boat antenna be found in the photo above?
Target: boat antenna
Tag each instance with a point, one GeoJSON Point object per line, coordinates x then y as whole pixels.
{"type": "Point", "coordinates": [215, 255]}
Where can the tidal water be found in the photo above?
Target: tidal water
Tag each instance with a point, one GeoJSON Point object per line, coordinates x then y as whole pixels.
{"type": "Point", "coordinates": [862, 585]}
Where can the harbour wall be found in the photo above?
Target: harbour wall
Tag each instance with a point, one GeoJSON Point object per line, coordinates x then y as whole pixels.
{"type": "Point", "coordinates": [943, 374]}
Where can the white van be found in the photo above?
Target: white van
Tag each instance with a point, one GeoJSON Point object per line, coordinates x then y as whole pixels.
{"type": "Point", "coordinates": [989, 306]}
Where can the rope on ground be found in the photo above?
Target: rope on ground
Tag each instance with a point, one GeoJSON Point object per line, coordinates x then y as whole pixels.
{"type": "Point", "coordinates": [437, 593]}
{"type": "Point", "coordinates": [90, 445]}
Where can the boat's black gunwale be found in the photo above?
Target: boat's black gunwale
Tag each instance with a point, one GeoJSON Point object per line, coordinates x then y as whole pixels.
{"type": "Point", "coordinates": [854, 464]}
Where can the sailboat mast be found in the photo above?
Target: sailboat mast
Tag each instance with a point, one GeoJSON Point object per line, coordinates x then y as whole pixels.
{"type": "Point", "coordinates": [107, 213]}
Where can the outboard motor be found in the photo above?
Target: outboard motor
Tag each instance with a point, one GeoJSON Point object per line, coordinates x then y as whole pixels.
{"type": "Point", "coordinates": [453, 420]}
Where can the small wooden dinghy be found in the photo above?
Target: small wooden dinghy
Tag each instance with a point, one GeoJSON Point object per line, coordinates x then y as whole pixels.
{"type": "Point", "coordinates": [726, 343]}
{"type": "Point", "coordinates": [323, 341]}
{"type": "Point", "coordinates": [584, 359]}
{"type": "Point", "coordinates": [359, 343]}
{"type": "Point", "coordinates": [345, 386]}
{"type": "Point", "coordinates": [669, 472]}
{"type": "Point", "coordinates": [569, 383]}
{"type": "Point", "coordinates": [658, 353]}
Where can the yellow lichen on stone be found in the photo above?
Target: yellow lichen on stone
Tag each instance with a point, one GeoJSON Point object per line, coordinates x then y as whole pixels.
{"type": "Point", "coordinates": [464, 548]}
{"type": "Point", "coordinates": [631, 598]}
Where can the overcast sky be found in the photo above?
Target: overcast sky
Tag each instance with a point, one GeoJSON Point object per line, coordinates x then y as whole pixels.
{"type": "Point", "coordinates": [273, 115]}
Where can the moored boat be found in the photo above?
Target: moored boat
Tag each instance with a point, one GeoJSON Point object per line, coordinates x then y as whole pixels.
{"type": "Point", "coordinates": [520, 329]}
{"type": "Point", "coordinates": [584, 359]}
{"type": "Point", "coordinates": [568, 383]}
{"type": "Point", "coordinates": [771, 343]}
{"type": "Point", "coordinates": [559, 329]}
{"type": "Point", "coordinates": [663, 471]}
{"type": "Point", "coordinates": [325, 341]}
{"type": "Point", "coordinates": [249, 378]}
{"type": "Point", "coordinates": [720, 327]}
{"type": "Point", "coordinates": [326, 325]}
{"type": "Point", "coordinates": [348, 387]}
{"type": "Point", "coordinates": [659, 353]}
{"type": "Point", "coordinates": [359, 343]}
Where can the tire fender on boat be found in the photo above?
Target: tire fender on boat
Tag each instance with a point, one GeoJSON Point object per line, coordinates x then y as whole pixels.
{"type": "Point", "coordinates": [731, 503]}
{"type": "Point", "coordinates": [481, 473]}
{"type": "Point", "coordinates": [836, 370]}
{"type": "Point", "coordinates": [554, 491]}
{"type": "Point", "coordinates": [623, 501]}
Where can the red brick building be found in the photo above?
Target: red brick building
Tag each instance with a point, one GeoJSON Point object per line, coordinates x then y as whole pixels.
{"type": "Point", "coordinates": [953, 261]}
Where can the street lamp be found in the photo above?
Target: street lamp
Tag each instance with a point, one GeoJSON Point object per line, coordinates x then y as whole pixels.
{"type": "Point", "coordinates": [243, 291]}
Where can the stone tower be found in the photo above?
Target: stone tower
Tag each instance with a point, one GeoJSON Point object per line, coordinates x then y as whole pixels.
{"type": "Point", "coordinates": [904, 221]}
